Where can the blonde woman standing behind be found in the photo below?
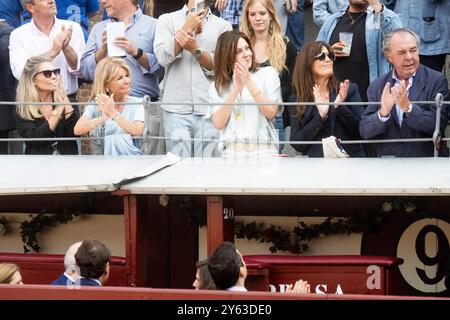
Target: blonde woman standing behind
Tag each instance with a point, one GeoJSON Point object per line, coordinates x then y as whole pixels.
{"type": "Point", "coordinates": [119, 120]}
{"type": "Point", "coordinates": [261, 24]}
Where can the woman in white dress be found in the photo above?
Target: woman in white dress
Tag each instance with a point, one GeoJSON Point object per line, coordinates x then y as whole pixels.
{"type": "Point", "coordinates": [245, 129]}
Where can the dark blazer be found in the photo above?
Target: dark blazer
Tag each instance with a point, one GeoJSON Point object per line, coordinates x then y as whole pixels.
{"type": "Point", "coordinates": [342, 122]}
{"type": "Point", "coordinates": [420, 122]}
{"type": "Point", "coordinates": [86, 282]}
{"type": "Point", "coordinates": [7, 80]}
{"type": "Point", "coordinates": [39, 128]}
{"type": "Point", "coordinates": [62, 281]}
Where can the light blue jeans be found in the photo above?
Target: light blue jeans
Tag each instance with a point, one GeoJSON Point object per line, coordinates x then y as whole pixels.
{"type": "Point", "coordinates": [180, 128]}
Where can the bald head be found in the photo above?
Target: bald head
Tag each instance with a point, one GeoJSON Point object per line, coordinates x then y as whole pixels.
{"type": "Point", "coordinates": [69, 258]}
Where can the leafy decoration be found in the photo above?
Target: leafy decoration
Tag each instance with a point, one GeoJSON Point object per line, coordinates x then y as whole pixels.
{"type": "Point", "coordinates": [30, 230]}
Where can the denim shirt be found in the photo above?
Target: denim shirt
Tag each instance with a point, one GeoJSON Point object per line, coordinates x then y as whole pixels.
{"type": "Point", "coordinates": [389, 21]}
{"type": "Point", "coordinates": [323, 9]}
{"type": "Point", "coordinates": [434, 35]}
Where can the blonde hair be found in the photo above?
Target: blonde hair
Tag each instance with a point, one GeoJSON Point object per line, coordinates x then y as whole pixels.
{"type": "Point", "coordinates": [7, 271]}
{"type": "Point", "coordinates": [26, 90]}
{"type": "Point", "coordinates": [149, 7]}
{"type": "Point", "coordinates": [105, 72]}
{"type": "Point", "coordinates": [275, 45]}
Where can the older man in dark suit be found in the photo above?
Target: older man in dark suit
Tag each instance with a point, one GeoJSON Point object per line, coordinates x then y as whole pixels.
{"type": "Point", "coordinates": [397, 117]}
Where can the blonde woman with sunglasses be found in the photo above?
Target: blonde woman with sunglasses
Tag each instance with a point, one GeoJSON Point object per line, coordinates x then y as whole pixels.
{"type": "Point", "coordinates": [41, 82]}
{"type": "Point", "coordinates": [314, 81]}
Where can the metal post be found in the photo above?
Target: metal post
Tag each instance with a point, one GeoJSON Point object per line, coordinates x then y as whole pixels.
{"type": "Point", "coordinates": [437, 129]}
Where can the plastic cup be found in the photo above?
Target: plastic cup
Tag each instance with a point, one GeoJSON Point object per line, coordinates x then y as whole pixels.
{"type": "Point", "coordinates": [347, 38]}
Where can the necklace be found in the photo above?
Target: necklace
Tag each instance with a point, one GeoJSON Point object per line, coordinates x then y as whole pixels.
{"type": "Point", "coordinates": [353, 20]}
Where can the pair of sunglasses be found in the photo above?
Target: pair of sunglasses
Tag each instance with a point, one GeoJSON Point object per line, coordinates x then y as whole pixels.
{"type": "Point", "coordinates": [322, 56]}
{"type": "Point", "coordinates": [48, 73]}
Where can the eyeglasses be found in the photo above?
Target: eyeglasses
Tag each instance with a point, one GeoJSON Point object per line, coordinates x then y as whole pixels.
{"type": "Point", "coordinates": [48, 73]}
{"type": "Point", "coordinates": [321, 56]}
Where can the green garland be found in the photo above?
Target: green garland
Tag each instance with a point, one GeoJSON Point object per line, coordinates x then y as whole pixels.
{"type": "Point", "coordinates": [294, 241]}
{"type": "Point", "coordinates": [30, 230]}
{"type": "Point", "coordinates": [297, 240]}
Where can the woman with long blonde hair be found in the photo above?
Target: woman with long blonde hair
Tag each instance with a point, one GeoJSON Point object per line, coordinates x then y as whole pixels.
{"type": "Point", "coordinates": [10, 274]}
{"type": "Point", "coordinates": [41, 82]}
{"type": "Point", "coordinates": [261, 24]}
{"type": "Point", "coordinates": [118, 120]}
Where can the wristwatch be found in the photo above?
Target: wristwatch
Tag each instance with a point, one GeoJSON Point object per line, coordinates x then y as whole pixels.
{"type": "Point", "coordinates": [116, 117]}
{"type": "Point", "coordinates": [197, 53]}
{"type": "Point", "coordinates": [139, 53]}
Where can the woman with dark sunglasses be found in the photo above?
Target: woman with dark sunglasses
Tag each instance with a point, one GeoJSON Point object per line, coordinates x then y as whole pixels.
{"type": "Point", "coordinates": [314, 81]}
{"type": "Point", "coordinates": [40, 82]}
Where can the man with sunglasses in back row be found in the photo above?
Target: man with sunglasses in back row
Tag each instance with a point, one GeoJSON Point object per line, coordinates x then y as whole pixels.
{"type": "Point", "coordinates": [61, 40]}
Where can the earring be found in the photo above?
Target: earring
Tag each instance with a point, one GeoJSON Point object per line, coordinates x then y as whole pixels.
{"type": "Point", "coordinates": [271, 28]}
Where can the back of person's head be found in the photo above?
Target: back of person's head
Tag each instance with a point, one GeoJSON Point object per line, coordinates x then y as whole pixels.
{"type": "Point", "coordinates": [8, 271]}
{"type": "Point", "coordinates": [105, 72]}
{"type": "Point", "coordinates": [224, 265]}
{"type": "Point", "coordinates": [203, 279]}
{"type": "Point", "coordinates": [26, 89]}
{"type": "Point", "coordinates": [92, 259]}
{"type": "Point", "coordinates": [69, 258]}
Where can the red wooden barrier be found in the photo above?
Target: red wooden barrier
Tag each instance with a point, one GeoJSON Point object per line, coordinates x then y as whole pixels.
{"type": "Point", "coordinates": [350, 274]}
{"type": "Point", "coordinates": [37, 268]}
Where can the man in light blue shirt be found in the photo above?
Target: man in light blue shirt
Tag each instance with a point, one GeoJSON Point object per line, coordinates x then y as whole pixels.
{"type": "Point", "coordinates": [137, 43]}
{"type": "Point", "coordinates": [430, 20]}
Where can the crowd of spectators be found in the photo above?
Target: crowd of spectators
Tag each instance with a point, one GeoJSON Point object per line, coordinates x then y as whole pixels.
{"type": "Point", "coordinates": [189, 59]}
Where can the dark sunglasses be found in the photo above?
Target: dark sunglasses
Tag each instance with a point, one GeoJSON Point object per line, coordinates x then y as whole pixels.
{"type": "Point", "coordinates": [48, 73]}
{"type": "Point", "coordinates": [321, 56]}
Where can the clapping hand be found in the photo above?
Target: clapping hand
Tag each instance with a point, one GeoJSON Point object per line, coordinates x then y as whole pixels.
{"type": "Point", "coordinates": [106, 104]}
{"type": "Point", "coordinates": [68, 37]}
{"type": "Point", "coordinates": [186, 40]}
{"type": "Point", "coordinates": [342, 95]}
{"type": "Point", "coordinates": [387, 101]}
{"type": "Point", "coordinates": [401, 95]}
{"type": "Point", "coordinates": [300, 286]}
{"type": "Point", "coordinates": [321, 101]}
{"type": "Point", "coordinates": [238, 81]}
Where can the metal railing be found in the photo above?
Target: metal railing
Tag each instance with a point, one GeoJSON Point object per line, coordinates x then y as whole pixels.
{"type": "Point", "coordinates": [148, 104]}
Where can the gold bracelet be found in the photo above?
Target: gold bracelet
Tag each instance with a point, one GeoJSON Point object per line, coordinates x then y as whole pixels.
{"type": "Point", "coordinates": [257, 94]}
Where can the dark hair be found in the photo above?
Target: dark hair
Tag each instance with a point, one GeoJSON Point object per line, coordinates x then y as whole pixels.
{"type": "Point", "coordinates": [303, 77]}
{"type": "Point", "coordinates": [224, 265]}
{"type": "Point", "coordinates": [91, 258]}
{"type": "Point", "coordinates": [225, 57]}
{"type": "Point", "coordinates": [205, 280]}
